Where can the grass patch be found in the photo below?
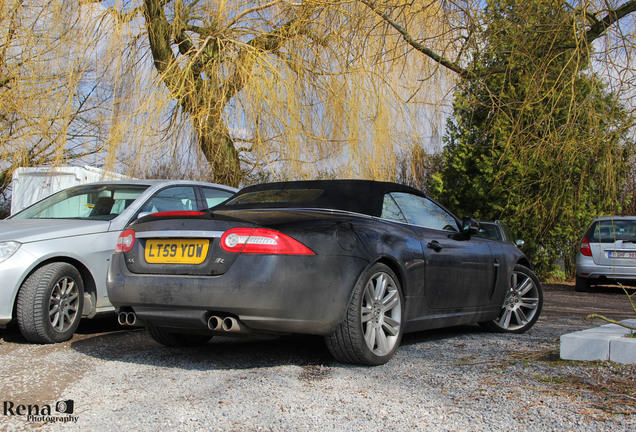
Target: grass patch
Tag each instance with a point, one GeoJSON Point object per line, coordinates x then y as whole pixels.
{"type": "Point", "coordinates": [551, 379]}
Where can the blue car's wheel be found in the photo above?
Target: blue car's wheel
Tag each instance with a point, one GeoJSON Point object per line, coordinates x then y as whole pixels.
{"type": "Point", "coordinates": [372, 328]}
{"type": "Point", "coordinates": [522, 304]}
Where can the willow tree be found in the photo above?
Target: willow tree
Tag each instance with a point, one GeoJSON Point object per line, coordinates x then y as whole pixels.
{"type": "Point", "coordinates": [212, 60]}
{"type": "Point", "coordinates": [286, 84]}
{"type": "Point", "coordinates": [52, 96]}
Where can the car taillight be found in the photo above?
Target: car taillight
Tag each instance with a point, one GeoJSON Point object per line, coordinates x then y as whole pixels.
{"type": "Point", "coordinates": [125, 241]}
{"type": "Point", "coordinates": [586, 250]}
{"type": "Point", "coordinates": [262, 241]}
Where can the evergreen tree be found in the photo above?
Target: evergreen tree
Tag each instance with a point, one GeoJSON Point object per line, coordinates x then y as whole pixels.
{"type": "Point", "coordinates": [535, 138]}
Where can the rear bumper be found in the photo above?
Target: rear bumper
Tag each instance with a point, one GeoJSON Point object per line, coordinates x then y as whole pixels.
{"type": "Point", "coordinates": [267, 293]}
{"type": "Point", "coordinates": [609, 273]}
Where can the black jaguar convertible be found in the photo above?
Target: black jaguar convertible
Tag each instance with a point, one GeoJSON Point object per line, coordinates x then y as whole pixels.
{"type": "Point", "coordinates": [359, 262]}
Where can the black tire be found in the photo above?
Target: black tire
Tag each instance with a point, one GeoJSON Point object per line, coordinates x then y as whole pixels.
{"type": "Point", "coordinates": [372, 327]}
{"type": "Point", "coordinates": [522, 305]}
{"type": "Point", "coordinates": [50, 303]}
{"type": "Point", "coordinates": [581, 284]}
{"type": "Point", "coordinates": [176, 339]}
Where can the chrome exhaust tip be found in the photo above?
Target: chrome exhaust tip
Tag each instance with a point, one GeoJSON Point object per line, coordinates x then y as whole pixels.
{"type": "Point", "coordinates": [215, 323]}
{"type": "Point", "coordinates": [131, 318]}
{"type": "Point", "coordinates": [232, 325]}
{"type": "Point", "coordinates": [121, 318]}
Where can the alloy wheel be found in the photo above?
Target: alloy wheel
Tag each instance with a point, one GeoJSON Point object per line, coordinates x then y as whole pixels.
{"type": "Point", "coordinates": [381, 314]}
{"type": "Point", "coordinates": [63, 304]}
{"type": "Point", "coordinates": [521, 304]}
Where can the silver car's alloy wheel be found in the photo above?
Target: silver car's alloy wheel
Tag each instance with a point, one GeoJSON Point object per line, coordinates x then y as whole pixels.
{"type": "Point", "coordinates": [371, 329]}
{"type": "Point", "coordinates": [381, 314]}
{"type": "Point", "coordinates": [50, 303]}
{"type": "Point", "coordinates": [522, 303]}
{"type": "Point", "coordinates": [64, 304]}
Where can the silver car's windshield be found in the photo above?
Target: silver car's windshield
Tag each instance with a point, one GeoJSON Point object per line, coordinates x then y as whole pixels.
{"type": "Point", "coordinates": [96, 202]}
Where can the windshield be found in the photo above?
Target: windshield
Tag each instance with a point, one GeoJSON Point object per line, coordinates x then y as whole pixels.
{"type": "Point", "coordinates": [94, 202]}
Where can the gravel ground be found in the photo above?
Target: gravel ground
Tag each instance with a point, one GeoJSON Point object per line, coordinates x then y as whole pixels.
{"type": "Point", "coordinates": [459, 379]}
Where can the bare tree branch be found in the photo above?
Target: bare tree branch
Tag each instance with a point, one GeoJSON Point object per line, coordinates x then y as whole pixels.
{"type": "Point", "coordinates": [455, 67]}
{"type": "Point", "coordinates": [599, 27]}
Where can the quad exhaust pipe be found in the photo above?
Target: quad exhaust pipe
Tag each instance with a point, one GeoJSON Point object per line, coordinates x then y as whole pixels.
{"type": "Point", "coordinates": [226, 324]}
{"type": "Point", "coordinates": [127, 318]}
{"type": "Point", "coordinates": [215, 323]}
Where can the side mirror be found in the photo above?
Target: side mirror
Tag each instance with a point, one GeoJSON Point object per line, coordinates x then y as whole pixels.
{"type": "Point", "coordinates": [469, 226]}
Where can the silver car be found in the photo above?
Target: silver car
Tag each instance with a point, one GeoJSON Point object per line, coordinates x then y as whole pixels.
{"type": "Point", "coordinates": [607, 253]}
{"type": "Point", "coordinates": [54, 255]}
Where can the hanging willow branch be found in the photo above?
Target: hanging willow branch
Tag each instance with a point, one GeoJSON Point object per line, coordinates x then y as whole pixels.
{"type": "Point", "coordinates": [609, 320]}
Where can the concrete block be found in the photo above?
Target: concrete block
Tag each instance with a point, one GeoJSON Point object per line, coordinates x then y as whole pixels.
{"type": "Point", "coordinates": [623, 350]}
{"type": "Point", "coordinates": [606, 342]}
{"type": "Point", "coordinates": [584, 346]}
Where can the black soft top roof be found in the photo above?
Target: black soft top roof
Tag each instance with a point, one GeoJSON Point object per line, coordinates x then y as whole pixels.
{"type": "Point", "coordinates": [360, 196]}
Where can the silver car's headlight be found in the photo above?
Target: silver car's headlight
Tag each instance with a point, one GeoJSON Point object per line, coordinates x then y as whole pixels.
{"type": "Point", "coordinates": [7, 249]}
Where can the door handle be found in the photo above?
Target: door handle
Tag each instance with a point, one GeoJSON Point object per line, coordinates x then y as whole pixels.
{"type": "Point", "coordinates": [435, 246]}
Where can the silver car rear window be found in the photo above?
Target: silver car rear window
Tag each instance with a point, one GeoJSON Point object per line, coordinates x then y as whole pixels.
{"type": "Point", "coordinates": [610, 231]}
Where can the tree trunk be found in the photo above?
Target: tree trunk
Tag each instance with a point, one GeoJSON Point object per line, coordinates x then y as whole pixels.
{"type": "Point", "coordinates": [203, 93]}
{"type": "Point", "coordinates": [218, 148]}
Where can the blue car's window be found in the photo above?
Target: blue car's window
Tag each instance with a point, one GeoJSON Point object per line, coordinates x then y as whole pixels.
{"type": "Point", "coordinates": [99, 202]}
{"type": "Point", "coordinates": [391, 211]}
{"type": "Point", "coordinates": [421, 211]}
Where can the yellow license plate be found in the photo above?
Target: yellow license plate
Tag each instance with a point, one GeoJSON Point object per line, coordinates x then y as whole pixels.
{"type": "Point", "coordinates": [169, 251]}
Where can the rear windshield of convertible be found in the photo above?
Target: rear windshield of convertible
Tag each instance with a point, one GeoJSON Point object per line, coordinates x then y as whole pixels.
{"type": "Point", "coordinates": [276, 196]}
